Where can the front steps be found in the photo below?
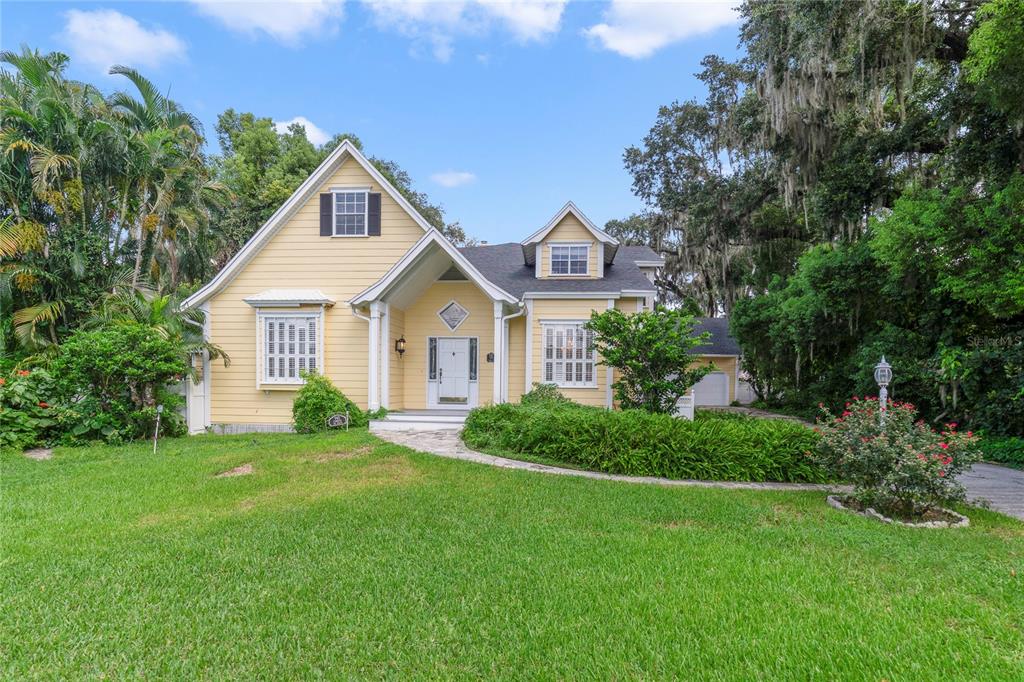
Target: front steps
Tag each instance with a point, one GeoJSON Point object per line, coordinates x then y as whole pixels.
{"type": "Point", "coordinates": [420, 420]}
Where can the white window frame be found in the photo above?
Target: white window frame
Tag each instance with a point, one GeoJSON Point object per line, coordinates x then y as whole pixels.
{"type": "Point", "coordinates": [335, 192]}
{"type": "Point", "coordinates": [262, 374]}
{"type": "Point", "coordinates": [578, 364]}
{"type": "Point", "coordinates": [570, 246]}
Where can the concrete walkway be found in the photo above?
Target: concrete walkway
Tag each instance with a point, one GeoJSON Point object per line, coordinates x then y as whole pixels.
{"type": "Point", "coordinates": [447, 443]}
{"type": "Point", "coordinates": [1001, 487]}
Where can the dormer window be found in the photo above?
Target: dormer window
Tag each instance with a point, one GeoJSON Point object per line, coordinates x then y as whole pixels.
{"type": "Point", "coordinates": [350, 213]}
{"type": "Point", "coordinates": [570, 259]}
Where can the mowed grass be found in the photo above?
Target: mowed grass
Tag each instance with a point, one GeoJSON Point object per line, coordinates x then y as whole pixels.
{"type": "Point", "coordinates": [342, 556]}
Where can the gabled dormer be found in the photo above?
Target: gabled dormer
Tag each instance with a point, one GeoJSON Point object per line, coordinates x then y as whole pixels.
{"type": "Point", "coordinates": [570, 246]}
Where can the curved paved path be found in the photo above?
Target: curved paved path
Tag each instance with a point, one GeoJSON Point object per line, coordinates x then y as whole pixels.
{"type": "Point", "coordinates": [1001, 487]}
{"type": "Point", "coordinates": [447, 443]}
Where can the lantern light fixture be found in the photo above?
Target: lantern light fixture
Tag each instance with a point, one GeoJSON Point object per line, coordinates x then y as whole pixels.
{"type": "Point", "coordinates": [400, 346]}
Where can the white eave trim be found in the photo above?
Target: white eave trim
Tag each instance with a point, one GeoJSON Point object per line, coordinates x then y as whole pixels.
{"type": "Point", "coordinates": [385, 283]}
{"type": "Point", "coordinates": [570, 207]}
{"type": "Point", "coordinates": [650, 263]}
{"type": "Point", "coordinates": [298, 197]}
{"type": "Point", "coordinates": [639, 292]}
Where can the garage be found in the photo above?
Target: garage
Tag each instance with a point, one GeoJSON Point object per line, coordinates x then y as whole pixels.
{"type": "Point", "coordinates": [713, 389]}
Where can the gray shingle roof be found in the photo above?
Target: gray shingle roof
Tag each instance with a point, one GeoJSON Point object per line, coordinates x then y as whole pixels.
{"type": "Point", "coordinates": [503, 265]}
{"type": "Point", "coordinates": [721, 342]}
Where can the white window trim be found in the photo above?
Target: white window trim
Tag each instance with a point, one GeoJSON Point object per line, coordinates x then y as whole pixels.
{"type": "Point", "coordinates": [335, 191]}
{"type": "Point", "coordinates": [262, 380]}
{"type": "Point", "coordinates": [445, 307]}
{"type": "Point", "coordinates": [551, 260]}
{"type": "Point", "coordinates": [544, 326]}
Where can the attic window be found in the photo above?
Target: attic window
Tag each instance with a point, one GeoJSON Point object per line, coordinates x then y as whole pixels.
{"type": "Point", "coordinates": [453, 315]}
{"type": "Point", "coordinates": [350, 214]}
{"type": "Point", "coordinates": [569, 259]}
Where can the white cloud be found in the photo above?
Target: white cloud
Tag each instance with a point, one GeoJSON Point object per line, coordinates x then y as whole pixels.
{"type": "Point", "coordinates": [103, 38]}
{"type": "Point", "coordinates": [453, 178]}
{"type": "Point", "coordinates": [286, 21]}
{"type": "Point", "coordinates": [639, 29]}
{"type": "Point", "coordinates": [314, 134]}
{"type": "Point", "coordinates": [437, 24]}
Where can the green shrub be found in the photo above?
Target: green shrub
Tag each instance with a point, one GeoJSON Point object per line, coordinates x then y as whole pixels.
{"type": "Point", "coordinates": [543, 393]}
{"type": "Point", "coordinates": [109, 382]}
{"type": "Point", "coordinates": [639, 443]}
{"type": "Point", "coordinates": [317, 400]}
{"type": "Point", "coordinates": [1004, 450]}
{"type": "Point", "coordinates": [903, 468]}
{"type": "Point", "coordinates": [27, 414]}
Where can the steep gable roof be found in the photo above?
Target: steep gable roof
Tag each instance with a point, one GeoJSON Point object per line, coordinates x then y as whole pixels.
{"type": "Point", "coordinates": [530, 243]}
{"type": "Point", "coordinates": [345, 150]}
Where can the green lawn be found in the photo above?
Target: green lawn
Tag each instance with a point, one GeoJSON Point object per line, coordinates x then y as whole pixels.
{"type": "Point", "coordinates": [342, 556]}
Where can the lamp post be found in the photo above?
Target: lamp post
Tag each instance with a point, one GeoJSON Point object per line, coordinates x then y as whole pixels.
{"type": "Point", "coordinates": [883, 375]}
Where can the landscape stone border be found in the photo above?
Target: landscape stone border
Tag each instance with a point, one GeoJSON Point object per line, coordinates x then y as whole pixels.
{"type": "Point", "coordinates": [961, 522]}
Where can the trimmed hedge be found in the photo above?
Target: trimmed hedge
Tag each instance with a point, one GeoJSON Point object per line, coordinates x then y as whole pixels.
{"type": "Point", "coordinates": [714, 447]}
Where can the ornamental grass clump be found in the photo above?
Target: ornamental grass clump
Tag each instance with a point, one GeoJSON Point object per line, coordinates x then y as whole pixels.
{"type": "Point", "coordinates": [904, 469]}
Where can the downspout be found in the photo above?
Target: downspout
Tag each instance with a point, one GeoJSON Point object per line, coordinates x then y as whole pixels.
{"type": "Point", "coordinates": [504, 353]}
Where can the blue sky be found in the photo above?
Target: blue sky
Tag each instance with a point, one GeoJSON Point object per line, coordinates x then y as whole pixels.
{"type": "Point", "coordinates": [500, 112]}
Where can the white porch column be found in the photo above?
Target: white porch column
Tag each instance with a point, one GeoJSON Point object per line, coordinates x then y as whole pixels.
{"type": "Point", "coordinates": [374, 359]}
{"type": "Point", "coordinates": [499, 311]}
{"type": "Point", "coordinates": [385, 355]}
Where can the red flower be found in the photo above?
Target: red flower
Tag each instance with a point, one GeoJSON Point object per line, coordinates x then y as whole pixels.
{"type": "Point", "coordinates": [942, 474]}
{"type": "Point", "coordinates": [23, 372]}
{"type": "Point", "coordinates": [944, 446]}
{"type": "Point", "coordinates": [970, 434]}
{"type": "Point", "coordinates": [43, 404]}
{"type": "Point", "coordinates": [952, 425]}
{"type": "Point", "coordinates": [847, 413]}
{"type": "Point", "coordinates": [3, 381]}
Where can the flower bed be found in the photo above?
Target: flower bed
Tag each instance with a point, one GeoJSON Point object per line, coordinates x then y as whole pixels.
{"type": "Point", "coordinates": [903, 468]}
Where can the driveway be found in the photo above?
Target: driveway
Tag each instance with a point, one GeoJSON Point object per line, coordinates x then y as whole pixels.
{"type": "Point", "coordinates": [1001, 487]}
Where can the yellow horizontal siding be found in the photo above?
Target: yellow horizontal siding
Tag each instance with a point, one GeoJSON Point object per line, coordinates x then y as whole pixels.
{"type": "Point", "coordinates": [568, 229]}
{"type": "Point", "coordinates": [396, 364]}
{"type": "Point", "coordinates": [297, 257]}
{"type": "Point", "coordinates": [516, 358]}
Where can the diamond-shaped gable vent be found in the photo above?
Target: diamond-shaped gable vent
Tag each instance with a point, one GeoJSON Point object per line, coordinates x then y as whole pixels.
{"type": "Point", "coordinates": [453, 315]}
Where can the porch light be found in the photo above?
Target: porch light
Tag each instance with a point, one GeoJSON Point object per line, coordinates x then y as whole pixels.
{"type": "Point", "coordinates": [400, 346]}
{"type": "Point", "coordinates": [883, 375]}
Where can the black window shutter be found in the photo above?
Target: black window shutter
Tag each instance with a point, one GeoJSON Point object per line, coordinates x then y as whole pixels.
{"type": "Point", "coordinates": [373, 215]}
{"type": "Point", "coordinates": [327, 215]}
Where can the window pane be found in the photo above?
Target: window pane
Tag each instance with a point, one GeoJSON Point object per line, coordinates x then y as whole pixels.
{"type": "Point", "coordinates": [432, 358]}
{"type": "Point", "coordinates": [472, 360]}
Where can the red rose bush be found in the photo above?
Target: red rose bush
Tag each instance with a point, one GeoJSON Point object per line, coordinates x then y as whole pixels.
{"type": "Point", "coordinates": [904, 468]}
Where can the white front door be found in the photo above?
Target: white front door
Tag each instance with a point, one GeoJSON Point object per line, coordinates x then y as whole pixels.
{"type": "Point", "coordinates": [453, 371]}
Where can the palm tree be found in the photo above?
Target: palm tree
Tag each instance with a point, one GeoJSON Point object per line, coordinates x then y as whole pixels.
{"type": "Point", "coordinates": [140, 303]}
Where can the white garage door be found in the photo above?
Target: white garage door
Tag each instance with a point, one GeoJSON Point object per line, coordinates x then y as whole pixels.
{"type": "Point", "coordinates": [712, 390]}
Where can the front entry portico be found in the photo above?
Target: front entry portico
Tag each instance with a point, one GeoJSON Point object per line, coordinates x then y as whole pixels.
{"type": "Point", "coordinates": [453, 326]}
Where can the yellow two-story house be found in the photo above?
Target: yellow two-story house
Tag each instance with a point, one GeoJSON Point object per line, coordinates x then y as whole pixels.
{"type": "Point", "coordinates": [347, 279]}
